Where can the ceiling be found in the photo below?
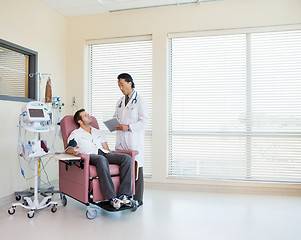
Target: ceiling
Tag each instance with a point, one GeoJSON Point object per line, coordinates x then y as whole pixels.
{"type": "Point", "coordinates": [70, 8]}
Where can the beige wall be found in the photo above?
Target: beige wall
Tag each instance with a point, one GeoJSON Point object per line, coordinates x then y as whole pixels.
{"type": "Point", "coordinates": [64, 56]}
{"type": "Point", "coordinates": [32, 25]}
{"type": "Point", "coordinates": [159, 22]}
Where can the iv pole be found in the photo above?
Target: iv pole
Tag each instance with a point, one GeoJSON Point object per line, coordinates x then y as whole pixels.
{"type": "Point", "coordinates": [28, 203]}
{"type": "Point", "coordinates": [30, 192]}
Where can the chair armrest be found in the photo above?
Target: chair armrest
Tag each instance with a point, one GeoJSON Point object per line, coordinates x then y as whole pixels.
{"type": "Point", "coordinates": [132, 153]}
{"type": "Point", "coordinates": [86, 159]}
{"type": "Point", "coordinates": [74, 181]}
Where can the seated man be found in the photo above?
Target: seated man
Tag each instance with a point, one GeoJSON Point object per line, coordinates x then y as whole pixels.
{"type": "Point", "coordinates": [91, 141]}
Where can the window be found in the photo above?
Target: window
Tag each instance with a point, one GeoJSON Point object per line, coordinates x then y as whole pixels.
{"type": "Point", "coordinates": [234, 107]}
{"type": "Point", "coordinates": [109, 58]}
{"type": "Point", "coordinates": [17, 72]}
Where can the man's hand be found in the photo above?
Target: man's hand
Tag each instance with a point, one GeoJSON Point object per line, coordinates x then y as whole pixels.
{"type": "Point", "coordinates": [122, 127]}
{"type": "Point", "coordinates": [73, 150]}
{"type": "Point", "coordinates": [105, 146]}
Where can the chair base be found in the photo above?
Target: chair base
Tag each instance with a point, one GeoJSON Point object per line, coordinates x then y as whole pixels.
{"type": "Point", "coordinates": [106, 205]}
{"type": "Point", "coordinates": [93, 208]}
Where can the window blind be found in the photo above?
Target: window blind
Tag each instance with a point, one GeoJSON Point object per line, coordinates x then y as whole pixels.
{"type": "Point", "coordinates": [13, 73]}
{"type": "Point", "coordinates": [234, 107]}
{"type": "Point", "coordinates": [106, 61]}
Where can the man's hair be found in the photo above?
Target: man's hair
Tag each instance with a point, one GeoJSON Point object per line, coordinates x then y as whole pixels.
{"type": "Point", "coordinates": [77, 116]}
{"type": "Point", "coordinates": [127, 77]}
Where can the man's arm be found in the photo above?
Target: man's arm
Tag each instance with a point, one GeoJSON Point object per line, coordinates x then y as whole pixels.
{"type": "Point", "coordinates": [71, 140]}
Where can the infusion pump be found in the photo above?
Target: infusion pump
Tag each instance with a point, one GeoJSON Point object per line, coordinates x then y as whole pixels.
{"type": "Point", "coordinates": [35, 118]}
{"type": "Point", "coordinates": [36, 115]}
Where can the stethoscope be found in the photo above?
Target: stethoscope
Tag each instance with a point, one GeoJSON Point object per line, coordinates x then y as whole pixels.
{"type": "Point", "coordinates": [134, 101]}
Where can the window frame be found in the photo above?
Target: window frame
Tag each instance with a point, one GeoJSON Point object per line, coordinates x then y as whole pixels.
{"type": "Point", "coordinates": [246, 31]}
{"type": "Point", "coordinates": [32, 69]}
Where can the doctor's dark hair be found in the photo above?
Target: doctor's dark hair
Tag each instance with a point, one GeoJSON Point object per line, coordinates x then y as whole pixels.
{"type": "Point", "coordinates": [127, 77]}
{"type": "Point", "coordinates": [77, 116]}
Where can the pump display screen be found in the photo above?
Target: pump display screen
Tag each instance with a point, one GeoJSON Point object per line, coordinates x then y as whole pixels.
{"type": "Point", "coordinates": [36, 113]}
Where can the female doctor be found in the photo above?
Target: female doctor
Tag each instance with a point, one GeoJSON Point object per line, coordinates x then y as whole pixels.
{"type": "Point", "coordinates": [131, 110]}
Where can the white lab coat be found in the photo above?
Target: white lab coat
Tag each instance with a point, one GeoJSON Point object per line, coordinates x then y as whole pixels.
{"type": "Point", "coordinates": [136, 116]}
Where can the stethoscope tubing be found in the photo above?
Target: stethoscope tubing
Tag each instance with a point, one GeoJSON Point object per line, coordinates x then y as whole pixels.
{"type": "Point", "coordinates": [134, 101]}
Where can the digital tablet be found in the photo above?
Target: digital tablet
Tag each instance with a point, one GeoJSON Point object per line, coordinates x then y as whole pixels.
{"type": "Point", "coordinates": [111, 124]}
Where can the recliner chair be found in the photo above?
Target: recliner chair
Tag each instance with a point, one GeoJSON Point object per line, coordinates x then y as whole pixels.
{"type": "Point", "coordinates": [78, 179]}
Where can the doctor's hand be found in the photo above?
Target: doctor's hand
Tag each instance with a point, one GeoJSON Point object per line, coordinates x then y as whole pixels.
{"type": "Point", "coordinates": [122, 127]}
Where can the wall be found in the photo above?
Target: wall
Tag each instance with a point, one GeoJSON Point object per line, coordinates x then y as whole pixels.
{"type": "Point", "coordinates": [228, 14]}
{"type": "Point", "coordinates": [32, 25]}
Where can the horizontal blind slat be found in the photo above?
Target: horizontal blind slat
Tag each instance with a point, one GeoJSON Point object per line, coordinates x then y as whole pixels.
{"type": "Point", "coordinates": [234, 107]}
{"type": "Point", "coordinates": [106, 61]}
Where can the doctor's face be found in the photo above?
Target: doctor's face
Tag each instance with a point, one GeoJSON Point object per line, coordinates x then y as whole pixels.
{"type": "Point", "coordinates": [124, 86]}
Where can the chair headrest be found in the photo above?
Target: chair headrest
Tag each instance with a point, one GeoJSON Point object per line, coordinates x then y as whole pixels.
{"type": "Point", "coordinates": [68, 125]}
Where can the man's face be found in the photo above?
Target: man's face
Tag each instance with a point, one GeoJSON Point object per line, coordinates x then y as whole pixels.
{"type": "Point", "coordinates": [124, 86]}
{"type": "Point", "coordinates": [86, 118]}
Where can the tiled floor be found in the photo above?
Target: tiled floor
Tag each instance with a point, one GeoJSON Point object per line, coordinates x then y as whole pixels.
{"type": "Point", "coordinates": [166, 214]}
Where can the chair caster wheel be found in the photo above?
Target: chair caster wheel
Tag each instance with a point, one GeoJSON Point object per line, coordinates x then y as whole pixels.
{"type": "Point", "coordinates": [64, 200]}
{"type": "Point", "coordinates": [91, 214]}
{"type": "Point", "coordinates": [134, 206]}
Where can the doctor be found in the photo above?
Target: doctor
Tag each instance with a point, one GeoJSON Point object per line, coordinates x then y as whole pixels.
{"type": "Point", "coordinates": [131, 110]}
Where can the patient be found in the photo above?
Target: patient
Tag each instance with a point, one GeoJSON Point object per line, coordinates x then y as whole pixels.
{"type": "Point", "coordinates": [91, 141]}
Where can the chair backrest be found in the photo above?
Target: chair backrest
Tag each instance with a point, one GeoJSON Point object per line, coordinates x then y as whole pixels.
{"type": "Point", "coordinates": [68, 125]}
